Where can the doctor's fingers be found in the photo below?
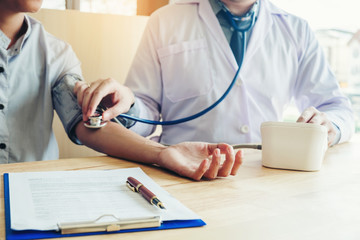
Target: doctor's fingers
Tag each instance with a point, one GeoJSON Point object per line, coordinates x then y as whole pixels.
{"type": "Point", "coordinates": [113, 95]}
{"type": "Point", "coordinates": [115, 110]}
{"type": "Point", "coordinates": [314, 116]}
{"type": "Point", "coordinates": [331, 129]}
{"type": "Point", "coordinates": [331, 138]}
{"type": "Point", "coordinates": [90, 98]}
{"type": "Point", "coordinates": [119, 102]}
{"type": "Point", "coordinates": [308, 114]}
{"type": "Point", "coordinates": [320, 118]}
{"type": "Point", "coordinates": [98, 90]}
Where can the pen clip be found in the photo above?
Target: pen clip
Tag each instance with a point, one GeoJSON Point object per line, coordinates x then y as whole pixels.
{"type": "Point", "coordinates": [130, 186]}
{"type": "Point", "coordinates": [133, 188]}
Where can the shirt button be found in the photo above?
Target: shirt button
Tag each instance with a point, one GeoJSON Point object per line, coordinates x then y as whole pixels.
{"type": "Point", "coordinates": [244, 129]}
{"type": "Point", "coordinates": [1, 107]}
{"type": "Point", "coordinates": [2, 69]}
{"type": "Point", "coordinates": [2, 145]}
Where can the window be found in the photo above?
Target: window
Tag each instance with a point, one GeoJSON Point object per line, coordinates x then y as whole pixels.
{"type": "Point", "coordinates": [323, 14]}
{"type": "Point", "coordinates": [54, 4]}
{"type": "Point", "coordinates": [336, 26]}
{"type": "Point", "coordinates": [123, 7]}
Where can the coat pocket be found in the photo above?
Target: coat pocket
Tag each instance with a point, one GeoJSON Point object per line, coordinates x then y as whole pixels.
{"type": "Point", "coordinates": [185, 70]}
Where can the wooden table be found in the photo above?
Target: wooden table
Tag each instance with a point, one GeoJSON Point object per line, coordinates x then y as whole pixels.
{"type": "Point", "coordinates": [258, 203]}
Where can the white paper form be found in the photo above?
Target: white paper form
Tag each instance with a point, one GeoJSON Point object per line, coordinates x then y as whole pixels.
{"type": "Point", "coordinates": [41, 200]}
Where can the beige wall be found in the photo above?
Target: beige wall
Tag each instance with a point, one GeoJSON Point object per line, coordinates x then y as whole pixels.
{"type": "Point", "coordinates": [105, 45]}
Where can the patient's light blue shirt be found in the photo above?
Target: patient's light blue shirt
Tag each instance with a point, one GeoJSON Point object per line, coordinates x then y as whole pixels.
{"type": "Point", "coordinates": [36, 76]}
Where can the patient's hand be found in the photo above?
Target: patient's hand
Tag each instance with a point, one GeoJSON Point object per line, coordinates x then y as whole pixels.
{"type": "Point", "coordinates": [198, 160]}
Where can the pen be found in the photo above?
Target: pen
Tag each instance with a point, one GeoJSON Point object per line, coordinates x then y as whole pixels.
{"type": "Point", "coordinates": [137, 186]}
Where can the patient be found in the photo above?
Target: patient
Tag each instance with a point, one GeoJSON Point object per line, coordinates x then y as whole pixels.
{"type": "Point", "coordinates": [37, 75]}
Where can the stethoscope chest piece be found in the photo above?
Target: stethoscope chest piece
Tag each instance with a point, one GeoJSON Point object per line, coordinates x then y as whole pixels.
{"type": "Point", "coordinates": [95, 121]}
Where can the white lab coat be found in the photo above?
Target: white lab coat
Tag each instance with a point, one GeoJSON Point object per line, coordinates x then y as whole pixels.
{"type": "Point", "coordinates": [184, 64]}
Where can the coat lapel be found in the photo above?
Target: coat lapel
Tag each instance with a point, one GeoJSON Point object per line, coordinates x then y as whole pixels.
{"type": "Point", "coordinates": [211, 22]}
{"type": "Point", "coordinates": [260, 31]}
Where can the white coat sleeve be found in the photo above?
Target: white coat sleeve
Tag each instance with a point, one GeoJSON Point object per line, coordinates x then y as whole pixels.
{"type": "Point", "coordinates": [317, 86]}
{"type": "Point", "coordinates": [144, 78]}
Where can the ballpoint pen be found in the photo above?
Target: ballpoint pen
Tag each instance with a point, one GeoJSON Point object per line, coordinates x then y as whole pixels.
{"type": "Point", "coordinates": [138, 187]}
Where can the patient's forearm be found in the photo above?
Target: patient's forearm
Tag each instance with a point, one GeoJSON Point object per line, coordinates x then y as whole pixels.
{"type": "Point", "coordinates": [115, 140]}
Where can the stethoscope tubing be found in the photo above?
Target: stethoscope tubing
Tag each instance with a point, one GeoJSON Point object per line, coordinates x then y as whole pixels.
{"type": "Point", "coordinates": [204, 111]}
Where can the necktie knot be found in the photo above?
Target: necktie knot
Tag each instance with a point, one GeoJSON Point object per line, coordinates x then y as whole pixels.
{"type": "Point", "coordinates": [239, 25]}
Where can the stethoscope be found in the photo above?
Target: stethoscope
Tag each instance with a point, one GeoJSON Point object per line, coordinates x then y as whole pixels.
{"type": "Point", "coordinates": [244, 43]}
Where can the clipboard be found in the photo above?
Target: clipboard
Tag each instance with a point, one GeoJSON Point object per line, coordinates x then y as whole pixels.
{"type": "Point", "coordinates": [36, 234]}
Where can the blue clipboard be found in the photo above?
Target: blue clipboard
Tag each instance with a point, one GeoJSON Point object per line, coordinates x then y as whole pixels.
{"type": "Point", "coordinates": [34, 234]}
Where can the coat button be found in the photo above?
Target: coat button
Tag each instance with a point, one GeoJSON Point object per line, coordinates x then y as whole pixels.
{"type": "Point", "coordinates": [2, 145]}
{"type": "Point", "coordinates": [244, 129]}
{"type": "Point", "coordinates": [2, 69]}
{"type": "Point", "coordinates": [2, 106]}
{"type": "Point", "coordinates": [238, 82]}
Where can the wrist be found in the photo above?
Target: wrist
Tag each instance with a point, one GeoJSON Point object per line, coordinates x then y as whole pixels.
{"type": "Point", "coordinates": [159, 155]}
{"type": "Point", "coordinates": [164, 156]}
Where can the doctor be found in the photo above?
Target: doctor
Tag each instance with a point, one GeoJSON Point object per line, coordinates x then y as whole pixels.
{"type": "Point", "coordinates": [185, 62]}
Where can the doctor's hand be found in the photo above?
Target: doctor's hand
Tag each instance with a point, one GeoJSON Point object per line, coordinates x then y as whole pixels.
{"type": "Point", "coordinates": [198, 160]}
{"type": "Point", "coordinates": [312, 115]}
{"type": "Point", "coordinates": [112, 95]}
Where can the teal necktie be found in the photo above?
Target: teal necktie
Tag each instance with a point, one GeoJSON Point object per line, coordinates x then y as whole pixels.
{"type": "Point", "coordinates": [237, 37]}
{"type": "Point", "coordinates": [236, 43]}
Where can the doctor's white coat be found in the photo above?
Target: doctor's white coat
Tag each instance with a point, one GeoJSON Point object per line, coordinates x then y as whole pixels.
{"type": "Point", "coordinates": [184, 64]}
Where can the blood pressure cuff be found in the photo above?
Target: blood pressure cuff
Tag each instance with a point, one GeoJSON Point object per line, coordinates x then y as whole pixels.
{"type": "Point", "coordinates": [66, 105]}
{"type": "Point", "coordinates": [68, 109]}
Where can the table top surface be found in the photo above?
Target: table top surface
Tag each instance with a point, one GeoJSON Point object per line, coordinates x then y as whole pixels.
{"type": "Point", "coordinates": [258, 203]}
